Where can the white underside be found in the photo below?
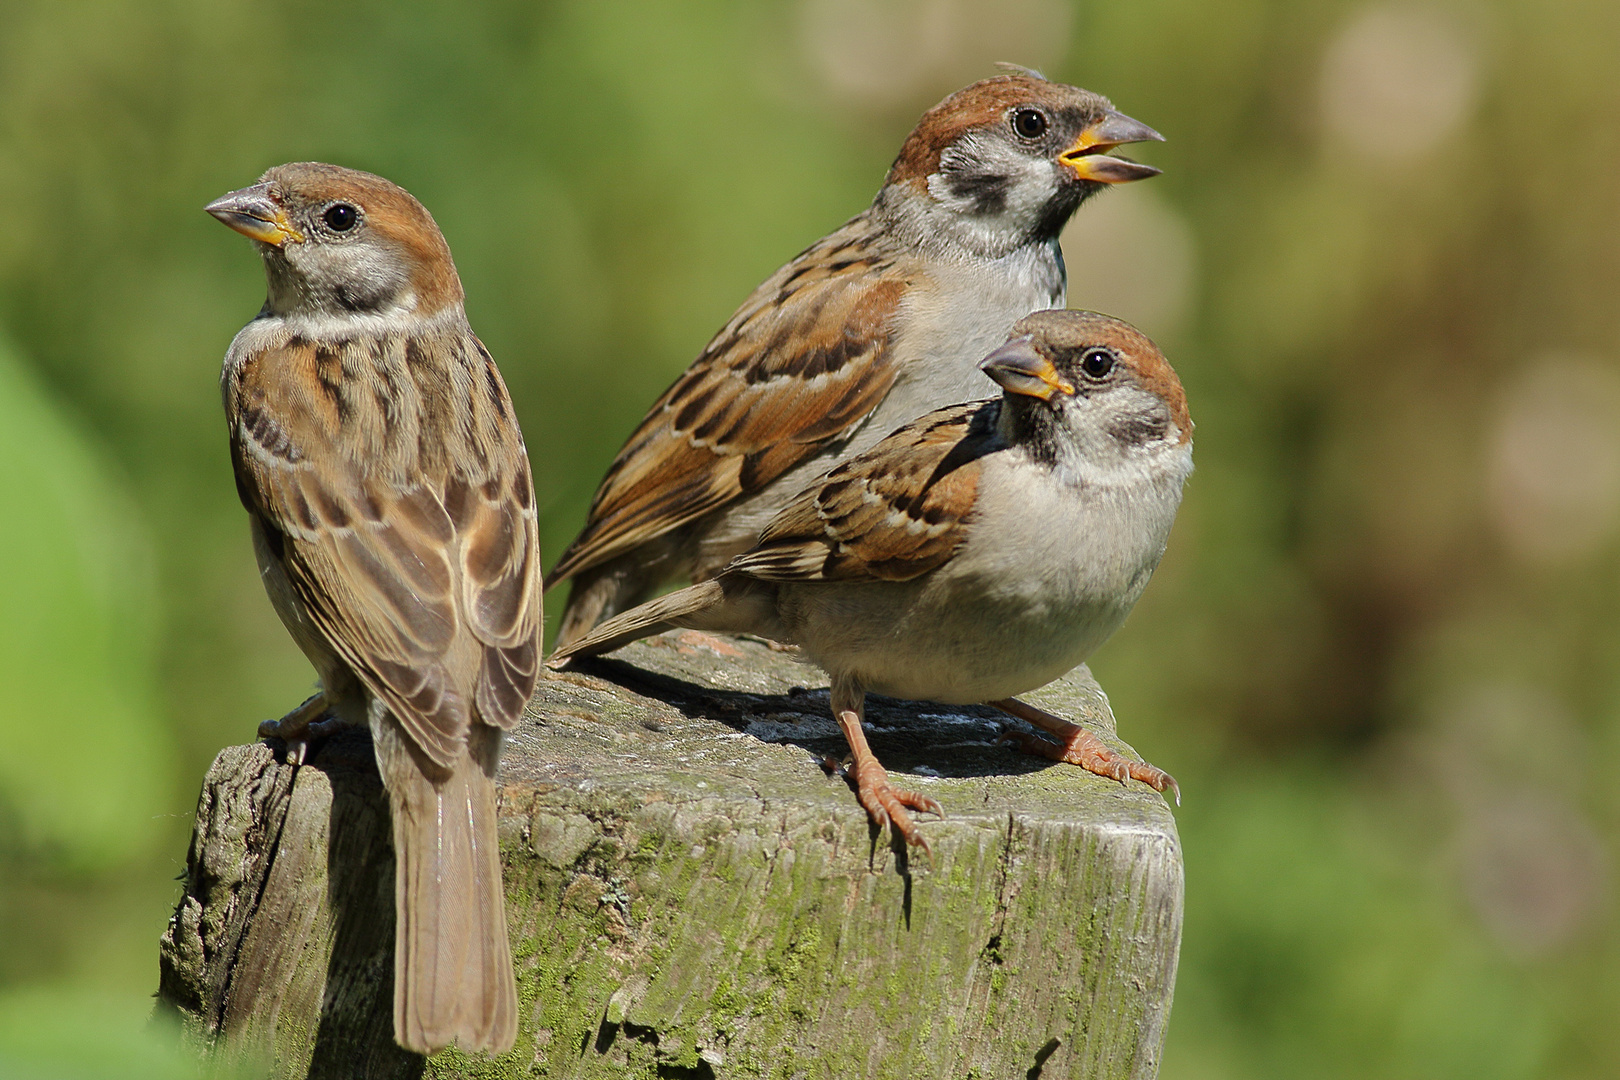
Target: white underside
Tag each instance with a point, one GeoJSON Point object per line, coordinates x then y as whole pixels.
{"type": "Point", "coordinates": [1002, 617]}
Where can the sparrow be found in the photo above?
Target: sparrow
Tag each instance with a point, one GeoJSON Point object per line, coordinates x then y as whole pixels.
{"type": "Point", "coordinates": [393, 517]}
{"type": "Point", "coordinates": [974, 554]}
{"type": "Point", "coordinates": [866, 329]}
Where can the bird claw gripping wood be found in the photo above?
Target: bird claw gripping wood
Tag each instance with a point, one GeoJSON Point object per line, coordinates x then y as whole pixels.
{"type": "Point", "coordinates": [1077, 746]}
{"type": "Point", "coordinates": [307, 724]}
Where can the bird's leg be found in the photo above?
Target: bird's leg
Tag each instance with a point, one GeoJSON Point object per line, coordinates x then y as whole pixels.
{"type": "Point", "coordinates": [1077, 746]}
{"type": "Point", "coordinates": [301, 727]}
{"type": "Point", "coordinates": [883, 801]}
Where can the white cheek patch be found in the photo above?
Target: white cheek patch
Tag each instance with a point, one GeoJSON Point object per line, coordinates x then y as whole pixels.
{"type": "Point", "coordinates": [1107, 449]}
{"type": "Point", "coordinates": [334, 289]}
{"type": "Point", "coordinates": [978, 160]}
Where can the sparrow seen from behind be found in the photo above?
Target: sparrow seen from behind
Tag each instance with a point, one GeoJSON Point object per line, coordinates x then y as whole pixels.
{"type": "Point", "coordinates": [869, 328]}
{"type": "Point", "coordinates": [977, 553]}
{"type": "Point", "coordinates": [392, 513]}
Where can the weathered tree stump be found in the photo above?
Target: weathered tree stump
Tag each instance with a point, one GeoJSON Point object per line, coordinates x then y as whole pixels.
{"type": "Point", "coordinates": [690, 895]}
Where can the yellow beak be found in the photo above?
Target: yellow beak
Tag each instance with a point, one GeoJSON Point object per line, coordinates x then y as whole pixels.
{"type": "Point", "coordinates": [1088, 157]}
{"type": "Point", "coordinates": [255, 213]}
{"type": "Point", "coordinates": [1021, 369]}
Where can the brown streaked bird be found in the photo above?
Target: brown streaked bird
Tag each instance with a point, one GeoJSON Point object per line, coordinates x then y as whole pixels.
{"type": "Point", "coordinates": [867, 329]}
{"type": "Point", "coordinates": [393, 517]}
{"type": "Point", "coordinates": [977, 553]}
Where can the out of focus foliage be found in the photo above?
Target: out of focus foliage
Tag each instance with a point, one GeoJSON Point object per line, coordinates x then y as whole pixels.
{"type": "Point", "coordinates": [1383, 655]}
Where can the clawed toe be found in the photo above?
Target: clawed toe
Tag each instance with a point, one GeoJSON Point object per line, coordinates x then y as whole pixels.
{"type": "Point", "coordinates": [308, 723]}
{"type": "Point", "coordinates": [888, 805]}
{"type": "Point", "coordinates": [919, 802]}
{"type": "Point", "coordinates": [885, 804]}
{"type": "Point", "coordinates": [1077, 746]}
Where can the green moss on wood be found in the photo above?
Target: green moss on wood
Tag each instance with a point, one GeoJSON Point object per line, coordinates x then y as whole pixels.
{"type": "Point", "coordinates": [687, 901]}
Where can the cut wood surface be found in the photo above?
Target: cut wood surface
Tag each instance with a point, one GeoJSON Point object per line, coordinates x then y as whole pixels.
{"type": "Point", "coordinates": [692, 895]}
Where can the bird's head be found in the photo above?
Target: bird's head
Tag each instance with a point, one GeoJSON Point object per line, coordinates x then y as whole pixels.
{"type": "Point", "coordinates": [1008, 160]}
{"type": "Point", "coordinates": [338, 242]}
{"type": "Point", "coordinates": [1084, 387]}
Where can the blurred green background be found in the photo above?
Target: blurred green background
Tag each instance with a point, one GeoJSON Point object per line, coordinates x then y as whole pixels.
{"type": "Point", "coordinates": [1382, 655]}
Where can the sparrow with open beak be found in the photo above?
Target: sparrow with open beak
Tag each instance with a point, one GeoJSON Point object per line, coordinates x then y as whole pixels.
{"type": "Point", "coordinates": [392, 512]}
{"type": "Point", "coordinates": [978, 552]}
{"type": "Point", "coordinates": [869, 328]}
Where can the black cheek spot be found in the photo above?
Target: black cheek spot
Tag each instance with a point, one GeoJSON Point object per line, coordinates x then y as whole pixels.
{"type": "Point", "coordinates": [346, 298]}
{"type": "Point", "coordinates": [985, 192]}
{"type": "Point", "coordinates": [1139, 428]}
{"type": "Point", "coordinates": [363, 299]}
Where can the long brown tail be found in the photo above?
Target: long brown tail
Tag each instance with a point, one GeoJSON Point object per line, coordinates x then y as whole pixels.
{"type": "Point", "coordinates": [654, 617]}
{"type": "Point", "coordinates": [452, 963]}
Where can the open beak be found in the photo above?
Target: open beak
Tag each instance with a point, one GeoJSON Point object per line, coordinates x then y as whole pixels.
{"type": "Point", "coordinates": [1020, 369]}
{"type": "Point", "coordinates": [254, 212]}
{"type": "Point", "coordinates": [1088, 156]}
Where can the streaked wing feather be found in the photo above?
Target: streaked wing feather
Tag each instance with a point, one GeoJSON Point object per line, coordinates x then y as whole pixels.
{"type": "Point", "coordinates": [893, 513]}
{"type": "Point", "coordinates": [397, 579]}
{"type": "Point", "coordinates": [362, 583]}
{"type": "Point", "coordinates": [501, 576]}
{"type": "Point", "coordinates": [801, 362]}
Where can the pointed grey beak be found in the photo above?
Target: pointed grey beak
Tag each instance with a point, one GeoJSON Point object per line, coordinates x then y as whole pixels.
{"type": "Point", "coordinates": [1088, 156]}
{"type": "Point", "coordinates": [1020, 369]}
{"type": "Point", "coordinates": [254, 212]}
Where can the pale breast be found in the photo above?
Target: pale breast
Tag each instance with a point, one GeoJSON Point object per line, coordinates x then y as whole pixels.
{"type": "Point", "coordinates": [951, 319]}
{"type": "Point", "coordinates": [1028, 598]}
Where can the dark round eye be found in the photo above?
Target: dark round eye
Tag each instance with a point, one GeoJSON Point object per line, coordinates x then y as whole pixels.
{"type": "Point", "coordinates": [340, 217]}
{"type": "Point", "coordinates": [1097, 363]}
{"type": "Point", "coordinates": [1029, 123]}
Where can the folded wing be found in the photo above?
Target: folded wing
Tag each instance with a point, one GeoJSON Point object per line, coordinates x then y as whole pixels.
{"type": "Point", "coordinates": [805, 359]}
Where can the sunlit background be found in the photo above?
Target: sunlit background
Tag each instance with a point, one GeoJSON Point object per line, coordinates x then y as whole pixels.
{"type": "Point", "coordinates": [1382, 655]}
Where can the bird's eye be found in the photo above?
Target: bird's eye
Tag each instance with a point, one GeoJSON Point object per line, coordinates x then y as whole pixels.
{"type": "Point", "coordinates": [1097, 363]}
{"type": "Point", "coordinates": [1029, 123]}
{"type": "Point", "coordinates": [340, 217]}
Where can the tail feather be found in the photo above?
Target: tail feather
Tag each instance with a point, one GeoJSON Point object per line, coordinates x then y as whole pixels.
{"type": "Point", "coordinates": [602, 590]}
{"type": "Point", "coordinates": [597, 594]}
{"type": "Point", "coordinates": [453, 979]}
{"type": "Point", "coordinates": [676, 609]}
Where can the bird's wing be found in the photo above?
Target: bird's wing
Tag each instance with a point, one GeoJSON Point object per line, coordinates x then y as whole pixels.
{"type": "Point", "coordinates": [804, 360]}
{"type": "Point", "coordinates": [500, 564]}
{"type": "Point", "coordinates": [424, 579]}
{"type": "Point", "coordinates": [893, 513]}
